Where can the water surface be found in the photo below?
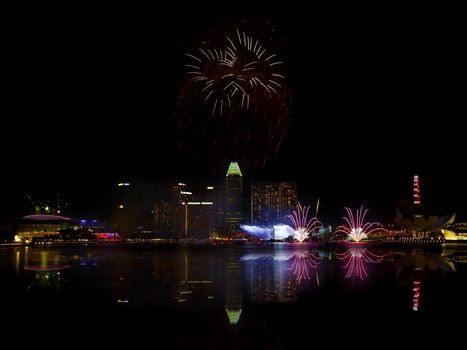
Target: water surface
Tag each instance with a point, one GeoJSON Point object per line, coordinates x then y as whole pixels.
{"type": "Point", "coordinates": [235, 297]}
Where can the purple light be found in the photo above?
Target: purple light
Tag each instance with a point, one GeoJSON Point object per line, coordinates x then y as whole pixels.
{"type": "Point", "coordinates": [263, 233]}
{"type": "Point", "coordinates": [301, 263]}
{"type": "Point", "coordinates": [355, 258]}
{"type": "Point", "coordinates": [355, 228]}
{"type": "Point", "coordinates": [45, 217]}
{"type": "Point", "coordinates": [303, 226]}
{"type": "Point", "coordinates": [282, 231]}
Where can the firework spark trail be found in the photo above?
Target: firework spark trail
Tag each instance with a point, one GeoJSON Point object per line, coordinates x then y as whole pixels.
{"type": "Point", "coordinates": [236, 96]}
{"type": "Point", "coordinates": [303, 226]}
{"type": "Point", "coordinates": [355, 228]}
{"type": "Point", "coordinates": [241, 65]}
{"type": "Point", "coordinates": [356, 258]}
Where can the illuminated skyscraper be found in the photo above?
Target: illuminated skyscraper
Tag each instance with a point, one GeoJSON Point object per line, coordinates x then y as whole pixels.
{"type": "Point", "coordinates": [233, 197]}
{"type": "Point", "coordinates": [133, 206]}
{"type": "Point", "coordinates": [233, 289]}
{"type": "Point", "coordinates": [271, 202]}
{"type": "Point", "coordinates": [178, 208]}
{"type": "Point", "coordinates": [200, 219]}
{"type": "Point", "coordinates": [162, 217]}
{"type": "Point", "coordinates": [125, 208]}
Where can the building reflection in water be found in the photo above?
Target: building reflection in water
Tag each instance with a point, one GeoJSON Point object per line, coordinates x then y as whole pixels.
{"type": "Point", "coordinates": [46, 280]}
{"type": "Point", "coordinates": [412, 269]}
{"type": "Point", "coordinates": [355, 259]}
{"type": "Point", "coordinates": [43, 267]}
{"type": "Point", "coordinates": [274, 276]}
{"type": "Point", "coordinates": [302, 263]}
{"type": "Point", "coordinates": [416, 295]}
{"type": "Point", "coordinates": [233, 291]}
{"type": "Point", "coordinates": [188, 276]}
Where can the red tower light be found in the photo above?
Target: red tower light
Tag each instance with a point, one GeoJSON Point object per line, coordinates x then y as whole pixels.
{"type": "Point", "coordinates": [416, 190]}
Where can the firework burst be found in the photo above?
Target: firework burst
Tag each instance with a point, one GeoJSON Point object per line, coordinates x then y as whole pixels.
{"type": "Point", "coordinates": [303, 226]}
{"type": "Point", "coordinates": [235, 101]}
{"type": "Point", "coordinates": [237, 76]}
{"type": "Point", "coordinates": [355, 228]}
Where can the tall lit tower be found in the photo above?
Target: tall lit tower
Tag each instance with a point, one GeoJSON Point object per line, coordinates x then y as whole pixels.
{"type": "Point", "coordinates": [416, 190]}
{"type": "Point", "coordinates": [271, 202]}
{"type": "Point", "coordinates": [234, 197]}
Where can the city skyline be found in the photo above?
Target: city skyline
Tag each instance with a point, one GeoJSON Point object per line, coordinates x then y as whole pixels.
{"type": "Point", "coordinates": [364, 91]}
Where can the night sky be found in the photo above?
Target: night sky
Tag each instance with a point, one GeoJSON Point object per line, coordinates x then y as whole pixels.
{"type": "Point", "coordinates": [377, 98]}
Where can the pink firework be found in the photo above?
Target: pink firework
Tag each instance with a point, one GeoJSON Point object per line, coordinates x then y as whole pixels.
{"type": "Point", "coordinates": [302, 262]}
{"type": "Point", "coordinates": [355, 228]}
{"type": "Point", "coordinates": [356, 258]}
{"type": "Point", "coordinates": [303, 226]}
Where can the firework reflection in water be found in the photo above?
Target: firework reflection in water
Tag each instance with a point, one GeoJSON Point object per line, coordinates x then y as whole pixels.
{"type": "Point", "coordinates": [301, 264]}
{"type": "Point", "coordinates": [355, 259]}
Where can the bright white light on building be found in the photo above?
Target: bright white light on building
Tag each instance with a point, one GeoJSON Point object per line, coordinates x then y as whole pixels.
{"type": "Point", "coordinates": [282, 231]}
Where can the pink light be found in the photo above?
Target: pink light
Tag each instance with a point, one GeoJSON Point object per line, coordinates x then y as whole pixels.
{"type": "Point", "coordinates": [356, 258]}
{"type": "Point", "coordinates": [416, 190]}
{"type": "Point", "coordinates": [416, 295]}
{"type": "Point", "coordinates": [301, 263]}
{"type": "Point", "coordinates": [355, 228]}
{"type": "Point", "coordinates": [303, 226]}
{"type": "Point", "coordinates": [108, 236]}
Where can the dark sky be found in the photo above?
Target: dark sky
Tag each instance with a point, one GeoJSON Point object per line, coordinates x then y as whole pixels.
{"type": "Point", "coordinates": [377, 97]}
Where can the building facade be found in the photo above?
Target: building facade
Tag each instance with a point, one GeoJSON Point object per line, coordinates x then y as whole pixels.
{"type": "Point", "coordinates": [234, 197]}
{"type": "Point", "coordinates": [271, 202]}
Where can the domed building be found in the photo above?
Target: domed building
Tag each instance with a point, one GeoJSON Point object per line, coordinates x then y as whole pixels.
{"type": "Point", "coordinates": [414, 218]}
{"type": "Point", "coordinates": [43, 226]}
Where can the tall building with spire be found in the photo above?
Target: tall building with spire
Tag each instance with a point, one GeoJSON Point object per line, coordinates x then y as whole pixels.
{"type": "Point", "coordinates": [234, 197]}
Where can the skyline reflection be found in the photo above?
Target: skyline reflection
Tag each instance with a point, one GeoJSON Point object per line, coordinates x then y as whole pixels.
{"type": "Point", "coordinates": [234, 281]}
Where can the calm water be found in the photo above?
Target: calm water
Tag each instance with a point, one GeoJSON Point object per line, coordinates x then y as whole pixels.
{"type": "Point", "coordinates": [234, 297]}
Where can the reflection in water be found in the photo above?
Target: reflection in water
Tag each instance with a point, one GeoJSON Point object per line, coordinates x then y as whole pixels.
{"type": "Point", "coordinates": [233, 292]}
{"type": "Point", "coordinates": [416, 295]}
{"type": "Point", "coordinates": [267, 277]}
{"type": "Point", "coordinates": [46, 260]}
{"type": "Point", "coordinates": [355, 258]}
{"type": "Point", "coordinates": [204, 293]}
{"type": "Point", "coordinates": [301, 263]}
{"type": "Point", "coordinates": [190, 276]}
{"type": "Point", "coordinates": [46, 281]}
{"type": "Point", "coordinates": [415, 267]}
{"type": "Point", "coordinates": [43, 267]}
